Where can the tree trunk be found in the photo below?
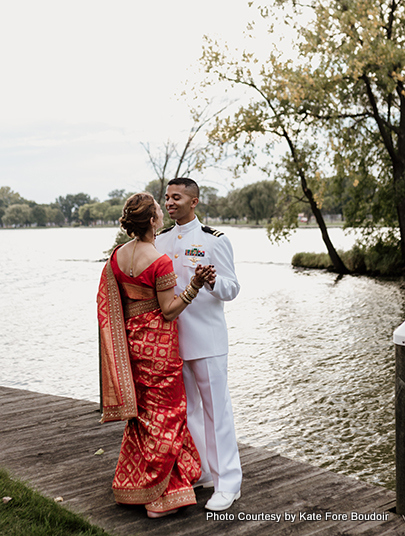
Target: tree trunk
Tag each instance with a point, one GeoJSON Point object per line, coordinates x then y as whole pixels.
{"type": "Point", "coordinates": [333, 254]}
{"type": "Point", "coordinates": [399, 182]}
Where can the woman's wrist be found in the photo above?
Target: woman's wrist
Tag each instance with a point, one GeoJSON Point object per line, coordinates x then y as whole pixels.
{"type": "Point", "coordinates": [196, 283]}
{"type": "Point", "coordinates": [191, 291]}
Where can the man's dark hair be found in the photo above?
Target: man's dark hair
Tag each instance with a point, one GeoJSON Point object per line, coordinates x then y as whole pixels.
{"type": "Point", "coordinates": [188, 183]}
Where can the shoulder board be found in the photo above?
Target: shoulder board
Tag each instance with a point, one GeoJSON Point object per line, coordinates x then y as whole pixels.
{"type": "Point", "coordinates": [210, 230]}
{"type": "Point", "coordinates": [165, 230]}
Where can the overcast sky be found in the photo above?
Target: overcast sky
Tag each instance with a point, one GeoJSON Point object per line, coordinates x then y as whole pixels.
{"type": "Point", "coordinates": [83, 82]}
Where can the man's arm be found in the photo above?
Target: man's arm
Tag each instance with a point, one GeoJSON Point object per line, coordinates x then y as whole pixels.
{"type": "Point", "coordinates": [226, 286]}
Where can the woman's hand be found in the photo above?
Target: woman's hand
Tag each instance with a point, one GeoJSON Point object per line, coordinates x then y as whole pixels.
{"type": "Point", "coordinates": [204, 274]}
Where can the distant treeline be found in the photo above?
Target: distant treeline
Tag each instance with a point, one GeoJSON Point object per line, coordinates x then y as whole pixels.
{"type": "Point", "coordinates": [255, 203]}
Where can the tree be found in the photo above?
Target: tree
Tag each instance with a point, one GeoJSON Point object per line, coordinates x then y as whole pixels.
{"type": "Point", "coordinates": [157, 188]}
{"type": "Point", "coordinates": [54, 215]}
{"type": "Point", "coordinates": [173, 160]}
{"type": "Point", "coordinates": [350, 82]}
{"type": "Point", "coordinates": [117, 197]}
{"type": "Point", "coordinates": [39, 215]}
{"type": "Point", "coordinates": [8, 197]}
{"type": "Point", "coordinates": [113, 213]}
{"type": "Point", "coordinates": [69, 205]}
{"type": "Point", "coordinates": [258, 200]}
{"type": "Point", "coordinates": [94, 212]}
{"type": "Point", "coordinates": [208, 202]}
{"type": "Point", "coordinates": [18, 215]}
{"type": "Point", "coordinates": [228, 207]}
{"type": "Point", "coordinates": [272, 112]}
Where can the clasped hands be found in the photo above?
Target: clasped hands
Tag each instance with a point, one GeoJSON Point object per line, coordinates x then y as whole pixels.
{"type": "Point", "coordinates": [205, 274]}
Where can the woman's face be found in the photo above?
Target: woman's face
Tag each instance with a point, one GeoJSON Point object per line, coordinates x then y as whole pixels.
{"type": "Point", "coordinates": [159, 216]}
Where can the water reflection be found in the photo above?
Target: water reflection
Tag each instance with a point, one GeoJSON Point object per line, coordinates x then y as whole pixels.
{"type": "Point", "coordinates": [311, 357]}
{"type": "Point", "coordinates": [313, 367]}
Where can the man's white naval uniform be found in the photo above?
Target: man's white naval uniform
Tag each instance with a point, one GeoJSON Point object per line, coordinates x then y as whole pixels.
{"type": "Point", "coordinates": [203, 340]}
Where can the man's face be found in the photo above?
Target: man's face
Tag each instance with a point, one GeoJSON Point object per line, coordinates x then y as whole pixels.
{"type": "Point", "coordinates": [179, 203]}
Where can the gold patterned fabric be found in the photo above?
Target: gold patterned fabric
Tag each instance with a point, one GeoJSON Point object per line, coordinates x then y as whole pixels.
{"type": "Point", "coordinates": [118, 390]}
{"type": "Point", "coordinates": [158, 461]}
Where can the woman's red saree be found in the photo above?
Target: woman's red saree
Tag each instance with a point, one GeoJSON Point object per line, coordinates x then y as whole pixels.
{"type": "Point", "coordinates": [143, 383]}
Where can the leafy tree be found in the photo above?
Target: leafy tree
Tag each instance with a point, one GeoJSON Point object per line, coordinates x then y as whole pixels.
{"type": "Point", "coordinates": [39, 215]}
{"type": "Point", "coordinates": [258, 200]}
{"type": "Point", "coordinates": [155, 188]}
{"type": "Point", "coordinates": [18, 215]}
{"type": "Point", "coordinates": [208, 202]}
{"type": "Point", "coordinates": [8, 197]}
{"type": "Point", "coordinates": [84, 214]}
{"type": "Point", "coordinates": [229, 206]}
{"type": "Point", "coordinates": [113, 213]}
{"type": "Point", "coordinates": [98, 211]}
{"type": "Point", "coordinates": [350, 82]}
{"type": "Point", "coordinates": [271, 111]}
{"type": "Point", "coordinates": [93, 212]}
{"type": "Point", "coordinates": [117, 197]}
{"type": "Point", "coordinates": [69, 205]}
{"type": "Point", "coordinates": [54, 215]}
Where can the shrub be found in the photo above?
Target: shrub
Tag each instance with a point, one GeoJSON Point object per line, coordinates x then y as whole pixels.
{"type": "Point", "coordinates": [380, 258]}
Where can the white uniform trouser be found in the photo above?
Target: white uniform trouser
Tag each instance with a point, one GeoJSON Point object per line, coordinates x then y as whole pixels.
{"type": "Point", "coordinates": [210, 421]}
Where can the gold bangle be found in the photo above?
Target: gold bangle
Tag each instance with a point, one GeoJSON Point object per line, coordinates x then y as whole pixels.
{"type": "Point", "coordinates": [186, 300]}
{"type": "Point", "coordinates": [194, 284]}
{"type": "Point", "coordinates": [191, 291]}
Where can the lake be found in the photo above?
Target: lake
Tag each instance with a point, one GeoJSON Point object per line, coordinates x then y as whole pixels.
{"type": "Point", "coordinates": [311, 361]}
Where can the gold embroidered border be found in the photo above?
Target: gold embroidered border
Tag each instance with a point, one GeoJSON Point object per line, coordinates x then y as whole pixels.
{"type": "Point", "coordinates": [137, 292]}
{"type": "Point", "coordinates": [140, 496]}
{"type": "Point", "coordinates": [166, 281]}
{"type": "Point", "coordinates": [172, 501]}
{"type": "Point", "coordinates": [115, 359]}
{"type": "Point", "coordinates": [139, 307]}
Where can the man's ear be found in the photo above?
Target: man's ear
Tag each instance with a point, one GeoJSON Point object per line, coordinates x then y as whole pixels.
{"type": "Point", "coordinates": [194, 202]}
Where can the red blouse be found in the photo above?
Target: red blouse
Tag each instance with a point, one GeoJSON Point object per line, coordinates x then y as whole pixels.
{"type": "Point", "coordinates": [158, 276]}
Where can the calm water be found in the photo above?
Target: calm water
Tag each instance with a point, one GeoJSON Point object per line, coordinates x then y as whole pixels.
{"type": "Point", "coordinates": [311, 366]}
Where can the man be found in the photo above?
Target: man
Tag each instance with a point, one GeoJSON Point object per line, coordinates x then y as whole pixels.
{"type": "Point", "coordinates": [203, 340]}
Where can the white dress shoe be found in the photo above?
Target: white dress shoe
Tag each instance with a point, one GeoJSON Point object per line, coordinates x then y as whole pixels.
{"type": "Point", "coordinates": [221, 500]}
{"type": "Point", "coordinates": [203, 484]}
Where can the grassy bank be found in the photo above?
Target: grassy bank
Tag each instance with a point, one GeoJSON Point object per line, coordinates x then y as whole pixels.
{"type": "Point", "coordinates": [380, 259]}
{"type": "Point", "coordinates": [30, 514]}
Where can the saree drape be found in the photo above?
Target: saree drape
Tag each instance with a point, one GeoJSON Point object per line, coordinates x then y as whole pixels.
{"type": "Point", "coordinates": [158, 461]}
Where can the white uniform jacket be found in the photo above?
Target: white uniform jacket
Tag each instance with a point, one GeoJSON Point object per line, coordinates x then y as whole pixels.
{"type": "Point", "coordinates": [202, 326]}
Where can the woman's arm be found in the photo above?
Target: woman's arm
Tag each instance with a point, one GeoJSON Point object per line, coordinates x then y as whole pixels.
{"type": "Point", "coordinates": [172, 305]}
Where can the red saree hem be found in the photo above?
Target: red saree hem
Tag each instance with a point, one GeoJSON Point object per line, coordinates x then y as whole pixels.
{"type": "Point", "coordinates": [140, 495]}
{"type": "Point", "coordinates": [176, 499]}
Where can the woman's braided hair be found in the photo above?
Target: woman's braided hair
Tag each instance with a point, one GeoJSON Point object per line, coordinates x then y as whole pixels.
{"type": "Point", "coordinates": [136, 214]}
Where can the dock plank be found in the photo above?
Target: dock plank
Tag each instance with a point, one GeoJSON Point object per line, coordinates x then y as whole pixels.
{"type": "Point", "coordinates": [51, 441]}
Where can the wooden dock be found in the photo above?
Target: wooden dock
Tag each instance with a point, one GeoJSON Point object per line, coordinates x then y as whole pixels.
{"type": "Point", "coordinates": [50, 442]}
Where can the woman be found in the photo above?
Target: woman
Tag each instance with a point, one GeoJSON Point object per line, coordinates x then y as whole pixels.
{"type": "Point", "coordinates": [141, 367]}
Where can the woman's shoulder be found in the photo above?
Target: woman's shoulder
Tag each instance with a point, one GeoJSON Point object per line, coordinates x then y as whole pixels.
{"type": "Point", "coordinates": [163, 263]}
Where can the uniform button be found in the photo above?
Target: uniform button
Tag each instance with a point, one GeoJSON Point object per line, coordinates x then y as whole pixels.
{"type": "Point", "coordinates": [176, 256]}
{"type": "Point", "coordinates": [176, 276]}
{"type": "Point", "coordinates": [179, 236]}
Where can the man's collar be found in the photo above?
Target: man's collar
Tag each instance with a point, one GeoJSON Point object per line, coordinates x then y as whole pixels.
{"type": "Point", "coordinates": [193, 224]}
